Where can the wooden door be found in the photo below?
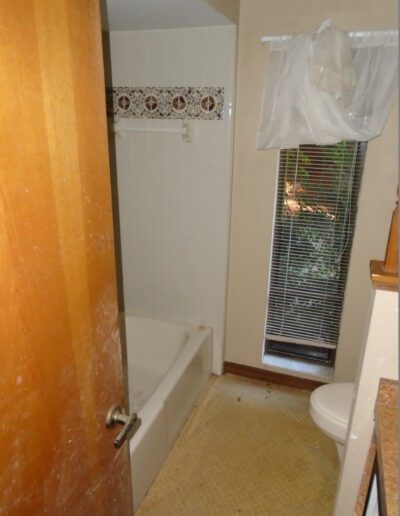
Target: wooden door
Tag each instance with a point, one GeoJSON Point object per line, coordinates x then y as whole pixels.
{"type": "Point", "coordinates": [59, 338]}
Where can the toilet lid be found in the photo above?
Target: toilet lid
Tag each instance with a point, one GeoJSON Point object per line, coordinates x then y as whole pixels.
{"type": "Point", "coordinates": [334, 400]}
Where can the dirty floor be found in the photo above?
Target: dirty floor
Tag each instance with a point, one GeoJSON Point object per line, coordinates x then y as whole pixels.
{"type": "Point", "coordinates": [248, 448]}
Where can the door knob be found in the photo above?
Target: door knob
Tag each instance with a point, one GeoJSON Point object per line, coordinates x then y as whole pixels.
{"type": "Point", "coordinates": [116, 415]}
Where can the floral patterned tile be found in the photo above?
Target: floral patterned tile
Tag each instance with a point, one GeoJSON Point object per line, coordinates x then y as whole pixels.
{"type": "Point", "coordinates": [206, 103]}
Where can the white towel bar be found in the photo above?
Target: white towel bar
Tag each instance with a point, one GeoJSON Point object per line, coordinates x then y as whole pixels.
{"type": "Point", "coordinates": [186, 130]}
{"type": "Point", "coordinates": [356, 34]}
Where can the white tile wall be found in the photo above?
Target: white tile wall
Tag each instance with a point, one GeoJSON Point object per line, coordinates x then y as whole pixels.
{"type": "Point", "coordinates": [175, 196]}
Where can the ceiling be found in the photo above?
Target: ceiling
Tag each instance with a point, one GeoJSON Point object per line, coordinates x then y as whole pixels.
{"type": "Point", "coordinates": [167, 14]}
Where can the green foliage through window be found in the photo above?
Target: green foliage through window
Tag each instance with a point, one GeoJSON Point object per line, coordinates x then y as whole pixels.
{"type": "Point", "coordinates": [314, 224]}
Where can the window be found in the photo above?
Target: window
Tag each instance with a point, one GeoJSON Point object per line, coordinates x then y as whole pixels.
{"type": "Point", "coordinates": [314, 224]}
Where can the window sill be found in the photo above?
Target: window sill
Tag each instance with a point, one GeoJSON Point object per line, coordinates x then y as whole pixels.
{"type": "Point", "coordinates": [293, 367]}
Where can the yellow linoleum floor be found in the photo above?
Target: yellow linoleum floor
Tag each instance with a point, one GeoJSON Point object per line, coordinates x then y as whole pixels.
{"type": "Point", "coordinates": [248, 448]}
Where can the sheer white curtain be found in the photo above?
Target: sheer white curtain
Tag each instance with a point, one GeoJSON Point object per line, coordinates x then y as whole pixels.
{"type": "Point", "coordinates": [324, 87]}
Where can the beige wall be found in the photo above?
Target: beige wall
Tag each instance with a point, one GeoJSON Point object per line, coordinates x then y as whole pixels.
{"type": "Point", "coordinates": [229, 8]}
{"type": "Point", "coordinates": [254, 181]}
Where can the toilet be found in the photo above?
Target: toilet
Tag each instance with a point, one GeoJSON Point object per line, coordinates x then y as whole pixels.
{"type": "Point", "coordinates": [330, 407]}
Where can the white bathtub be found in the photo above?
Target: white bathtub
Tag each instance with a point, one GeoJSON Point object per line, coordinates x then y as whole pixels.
{"type": "Point", "coordinates": [168, 365]}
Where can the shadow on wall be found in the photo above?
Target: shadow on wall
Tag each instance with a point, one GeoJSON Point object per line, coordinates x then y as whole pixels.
{"type": "Point", "coordinates": [115, 204]}
{"type": "Point", "coordinates": [228, 8]}
{"type": "Point", "coordinates": [104, 15]}
{"type": "Point", "coordinates": [113, 172]}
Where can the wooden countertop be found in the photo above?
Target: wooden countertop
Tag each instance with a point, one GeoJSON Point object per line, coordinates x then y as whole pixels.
{"type": "Point", "coordinates": [386, 429]}
{"type": "Point", "coordinates": [384, 446]}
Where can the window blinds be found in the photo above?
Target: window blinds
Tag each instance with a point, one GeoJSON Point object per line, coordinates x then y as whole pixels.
{"type": "Point", "coordinates": [315, 213]}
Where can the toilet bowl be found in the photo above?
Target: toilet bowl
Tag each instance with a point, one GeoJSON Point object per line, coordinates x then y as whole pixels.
{"type": "Point", "coordinates": [330, 407]}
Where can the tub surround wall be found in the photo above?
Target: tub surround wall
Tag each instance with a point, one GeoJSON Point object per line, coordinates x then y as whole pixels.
{"type": "Point", "coordinates": [254, 181]}
{"type": "Point", "coordinates": [174, 196]}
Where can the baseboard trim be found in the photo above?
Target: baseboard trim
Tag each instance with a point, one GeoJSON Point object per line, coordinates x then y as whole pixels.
{"type": "Point", "coordinates": [271, 376]}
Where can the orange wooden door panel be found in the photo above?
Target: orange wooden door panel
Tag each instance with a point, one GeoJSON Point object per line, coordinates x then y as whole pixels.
{"type": "Point", "coordinates": [59, 337]}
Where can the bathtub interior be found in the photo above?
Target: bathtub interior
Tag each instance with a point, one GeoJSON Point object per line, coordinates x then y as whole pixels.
{"type": "Point", "coordinates": [153, 347]}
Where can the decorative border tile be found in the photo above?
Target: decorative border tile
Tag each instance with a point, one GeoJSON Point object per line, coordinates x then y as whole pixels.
{"type": "Point", "coordinates": [205, 103]}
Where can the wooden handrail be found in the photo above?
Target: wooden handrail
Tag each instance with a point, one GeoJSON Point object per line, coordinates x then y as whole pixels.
{"type": "Point", "coordinates": [385, 274]}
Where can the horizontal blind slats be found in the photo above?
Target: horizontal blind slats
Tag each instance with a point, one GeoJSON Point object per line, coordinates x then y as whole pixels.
{"type": "Point", "coordinates": [314, 224]}
{"type": "Point", "coordinates": [304, 342]}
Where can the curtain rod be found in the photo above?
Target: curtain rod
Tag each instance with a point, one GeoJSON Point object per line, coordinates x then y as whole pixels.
{"type": "Point", "coordinates": [357, 34]}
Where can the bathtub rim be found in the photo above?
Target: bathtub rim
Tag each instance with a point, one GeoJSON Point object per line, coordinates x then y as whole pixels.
{"type": "Point", "coordinates": [197, 335]}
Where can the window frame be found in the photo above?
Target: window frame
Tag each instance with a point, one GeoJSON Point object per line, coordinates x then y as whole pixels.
{"type": "Point", "coordinates": [270, 344]}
